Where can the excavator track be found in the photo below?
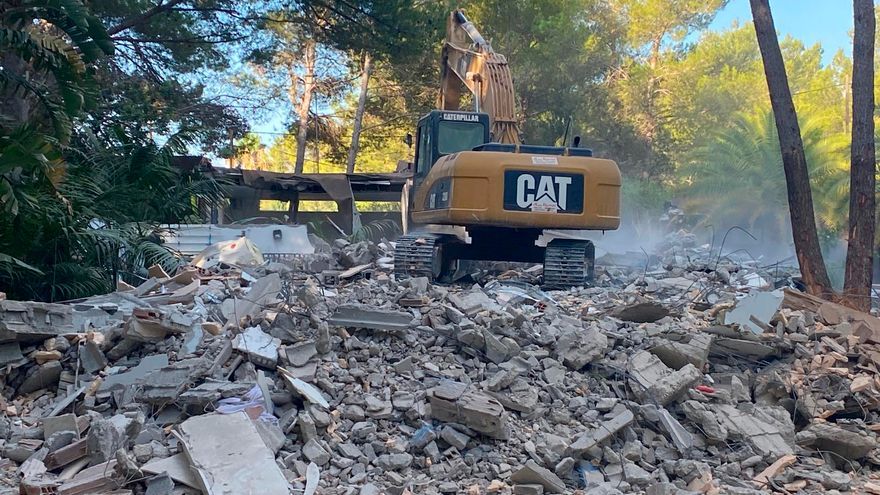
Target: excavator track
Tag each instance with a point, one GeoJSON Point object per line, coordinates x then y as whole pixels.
{"type": "Point", "coordinates": [568, 263]}
{"type": "Point", "coordinates": [416, 255]}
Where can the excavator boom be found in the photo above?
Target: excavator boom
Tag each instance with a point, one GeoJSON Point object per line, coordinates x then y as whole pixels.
{"type": "Point", "coordinates": [470, 61]}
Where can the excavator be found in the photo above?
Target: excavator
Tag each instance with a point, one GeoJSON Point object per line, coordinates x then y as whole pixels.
{"type": "Point", "coordinates": [478, 193]}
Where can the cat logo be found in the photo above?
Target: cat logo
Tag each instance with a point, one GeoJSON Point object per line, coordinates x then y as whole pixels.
{"type": "Point", "coordinates": [543, 192]}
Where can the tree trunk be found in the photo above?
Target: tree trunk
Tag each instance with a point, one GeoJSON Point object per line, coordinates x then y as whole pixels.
{"type": "Point", "coordinates": [859, 253]}
{"type": "Point", "coordinates": [359, 114]}
{"type": "Point", "coordinates": [797, 179]}
{"type": "Point", "coordinates": [305, 103]}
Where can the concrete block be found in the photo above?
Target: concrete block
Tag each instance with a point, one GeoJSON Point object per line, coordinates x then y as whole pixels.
{"type": "Point", "coordinates": [580, 347]}
{"type": "Point", "coordinates": [453, 402]}
{"type": "Point", "coordinates": [849, 444]}
{"type": "Point", "coordinates": [606, 430]}
{"type": "Point", "coordinates": [532, 473]}
{"type": "Point", "coordinates": [471, 302]}
{"type": "Point", "coordinates": [45, 376]}
{"type": "Point", "coordinates": [360, 316]}
{"type": "Point", "coordinates": [91, 357]}
{"type": "Point", "coordinates": [66, 422]}
{"type": "Point", "coordinates": [652, 381]}
{"type": "Point", "coordinates": [260, 347]}
{"type": "Point", "coordinates": [676, 354]}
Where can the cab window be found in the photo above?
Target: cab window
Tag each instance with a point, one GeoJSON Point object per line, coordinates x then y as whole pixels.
{"type": "Point", "coordinates": [459, 136]}
{"type": "Point", "coordinates": [424, 161]}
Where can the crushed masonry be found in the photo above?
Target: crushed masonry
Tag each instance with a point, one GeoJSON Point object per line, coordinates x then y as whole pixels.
{"type": "Point", "coordinates": [330, 374]}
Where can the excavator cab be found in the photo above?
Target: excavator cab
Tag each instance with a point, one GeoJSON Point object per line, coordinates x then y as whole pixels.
{"type": "Point", "coordinates": [444, 132]}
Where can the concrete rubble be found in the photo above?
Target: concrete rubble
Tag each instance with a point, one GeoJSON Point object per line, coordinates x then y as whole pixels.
{"type": "Point", "coordinates": [329, 374]}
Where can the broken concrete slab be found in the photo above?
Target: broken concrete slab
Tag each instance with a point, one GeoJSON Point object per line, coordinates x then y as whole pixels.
{"type": "Point", "coordinates": [235, 462]}
{"type": "Point", "coordinates": [29, 321]}
{"type": "Point", "coordinates": [683, 439]}
{"type": "Point", "coordinates": [299, 355]}
{"type": "Point", "coordinates": [760, 305]}
{"type": "Point", "coordinates": [147, 365]}
{"type": "Point", "coordinates": [44, 376]}
{"type": "Point", "coordinates": [91, 357]}
{"type": "Point", "coordinates": [271, 434]}
{"type": "Point", "coordinates": [305, 373]}
{"type": "Point", "coordinates": [521, 396]}
{"type": "Point", "coordinates": [580, 346]}
{"type": "Point", "coordinates": [154, 325]}
{"type": "Point", "coordinates": [262, 293]}
{"type": "Point", "coordinates": [177, 467]}
{"type": "Point", "coordinates": [723, 346]}
{"type": "Point", "coordinates": [66, 422]}
{"type": "Point", "coordinates": [532, 473]}
{"type": "Point", "coordinates": [586, 441]}
{"type": "Point", "coordinates": [652, 381]}
{"type": "Point", "coordinates": [161, 484]}
{"type": "Point", "coordinates": [763, 435]}
{"type": "Point", "coordinates": [260, 347]}
{"type": "Point", "coordinates": [313, 477]}
{"type": "Point", "coordinates": [456, 403]}
{"type": "Point", "coordinates": [471, 302]}
{"type": "Point", "coordinates": [10, 353]}
{"type": "Point", "coordinates": [164, 386]}
{"type": "Point", "coordinates": [200, 397]}
{"type": "Point", "coordinates": [305, 390]}
{"type": "Point", "coordinates": [192, 339]}
{"type": "Point", "coordinates": [850, 444]}
{"type": "Point", "coordinates": [359, 316]}
{"type": "Point", "coordinates": [693, 349]}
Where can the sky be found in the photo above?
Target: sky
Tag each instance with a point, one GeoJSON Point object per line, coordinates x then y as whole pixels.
{"type": "Point", "coordinates": [828, 22]}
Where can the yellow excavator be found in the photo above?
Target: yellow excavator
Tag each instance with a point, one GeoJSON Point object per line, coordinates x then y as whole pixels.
{"type": "Point", "coordinates": [477, 193]}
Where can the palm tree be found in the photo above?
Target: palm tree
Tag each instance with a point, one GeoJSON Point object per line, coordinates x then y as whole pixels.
{"type": "Point", "coordinates": [737, 178]}
{"type": "Point", "coordinates": [75, 211]}
{"type": "Point", "coordinates": [47, 47]}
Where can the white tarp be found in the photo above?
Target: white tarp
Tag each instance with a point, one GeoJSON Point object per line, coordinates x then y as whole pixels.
{"type": "Point", "coordinates": [237, 252]}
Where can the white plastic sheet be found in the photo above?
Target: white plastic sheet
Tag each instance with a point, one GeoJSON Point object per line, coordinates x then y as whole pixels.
{"type": "Point", "coordinates": [254, 398]}
{"type": "Point", "coordinates": [237, 252]}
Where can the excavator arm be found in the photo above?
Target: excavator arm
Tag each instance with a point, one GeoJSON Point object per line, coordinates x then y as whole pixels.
{"type": "Point", "coordinates": [468, 60]}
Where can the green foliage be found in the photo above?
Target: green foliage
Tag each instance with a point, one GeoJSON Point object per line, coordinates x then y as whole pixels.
{"type": "Point", "coordinates": [46, 47]}
{"type": "Point", "coordinates": [69, 241]}
{"type": "Point", "coordinates": [373, 231]}
{"type": "Point", "coordinates": [558, 53]}
{"type": "Point", "coordinates": [652, 22]}
{"type": "Point", "coordinates": [737, 178]}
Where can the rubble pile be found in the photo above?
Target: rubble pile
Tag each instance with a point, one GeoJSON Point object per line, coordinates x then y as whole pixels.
{"type": "Point", "coordinates": [682, 372]}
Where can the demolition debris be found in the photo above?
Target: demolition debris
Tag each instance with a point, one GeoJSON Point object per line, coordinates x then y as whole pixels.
{"type": "Point", "coordinates": [328, 374]}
